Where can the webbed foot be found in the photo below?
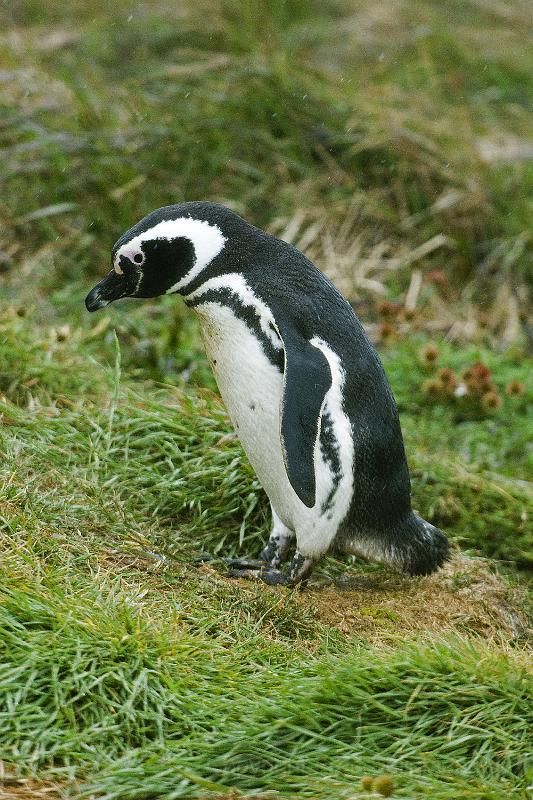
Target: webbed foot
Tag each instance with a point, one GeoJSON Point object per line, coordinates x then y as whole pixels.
{"type": "Point", "coordinates": [299, 570]}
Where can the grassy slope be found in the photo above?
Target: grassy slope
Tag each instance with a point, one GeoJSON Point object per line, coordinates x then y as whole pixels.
{"type": "Point", "coordinates": [122, 667]}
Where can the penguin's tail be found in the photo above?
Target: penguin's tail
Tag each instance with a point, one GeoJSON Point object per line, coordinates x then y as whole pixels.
{"type": "Point", "coordinates": [417, 547]}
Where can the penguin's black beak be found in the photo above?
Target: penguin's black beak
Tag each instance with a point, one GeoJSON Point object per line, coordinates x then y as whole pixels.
{"type": "Point", "coordinates": [110, 288]}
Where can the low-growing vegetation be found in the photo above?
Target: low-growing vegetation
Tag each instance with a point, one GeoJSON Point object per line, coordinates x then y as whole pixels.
{"type": "Point", "coordinates": [122, 658]}
{"type": "Point", "coordinates": [391, 142]}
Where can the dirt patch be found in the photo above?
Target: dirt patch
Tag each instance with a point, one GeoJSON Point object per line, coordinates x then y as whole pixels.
{"type": "Point", "coordinates": [465, 596]}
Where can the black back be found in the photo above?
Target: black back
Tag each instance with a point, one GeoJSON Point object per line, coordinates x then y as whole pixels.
{"type": "Point", "coordinates": [302, 298]}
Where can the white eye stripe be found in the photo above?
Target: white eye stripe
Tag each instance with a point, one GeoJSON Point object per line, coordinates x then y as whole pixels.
{"type": "Point", "coordinates": [207, 240]}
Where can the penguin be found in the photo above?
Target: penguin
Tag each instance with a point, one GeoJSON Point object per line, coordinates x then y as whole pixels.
{"type": "Point", "coordinates": [301, 382]}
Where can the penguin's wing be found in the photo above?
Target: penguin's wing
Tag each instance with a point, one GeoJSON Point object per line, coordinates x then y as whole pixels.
{"type": "Point", "coordinates": [307, 379]}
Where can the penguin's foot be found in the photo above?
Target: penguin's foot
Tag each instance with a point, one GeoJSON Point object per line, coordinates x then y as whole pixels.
{"type": "Point", "coordinates": [271, 556]}
{"type": "Point", "coordinates": [273, 577]}
{"type": "Point", "coordinates": [299, 570]}
{"type": "Point", "coordinates": [276, 549]}
{"type": "Point", "coordinates": [245, 563]}
{"type": "Point", "coordinates": [273, 553]}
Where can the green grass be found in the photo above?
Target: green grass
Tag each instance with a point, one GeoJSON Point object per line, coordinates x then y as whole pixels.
{"type": "Point", "coordinates": [132, 675]}
{"type": "Point", "coordinates": [156, 702]}
{"type": "Point", "coordinates": [382, 138]}
{"type": "Point", "coordinates": [174, 458]}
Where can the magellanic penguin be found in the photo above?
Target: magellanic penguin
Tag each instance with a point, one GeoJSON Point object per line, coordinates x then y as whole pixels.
{"type": "Point", "coordinates": [300, 380]}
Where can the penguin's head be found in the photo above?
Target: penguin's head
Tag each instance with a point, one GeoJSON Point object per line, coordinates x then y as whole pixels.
{"type": "Point", "coordinates": [162, 254]}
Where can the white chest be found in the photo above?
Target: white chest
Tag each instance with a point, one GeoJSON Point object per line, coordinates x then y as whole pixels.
{"type": "Point", "coordinates": [251, 387]}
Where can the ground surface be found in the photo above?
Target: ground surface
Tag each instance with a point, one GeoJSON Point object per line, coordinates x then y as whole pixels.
{"type": "Point", "coordinates": [392, 142]}
{"type": "Point", "coordinates": [128, 672]}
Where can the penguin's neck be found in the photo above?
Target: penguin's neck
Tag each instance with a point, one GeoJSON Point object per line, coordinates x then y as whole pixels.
{"type": "Point", "coordinates": [226, 298]}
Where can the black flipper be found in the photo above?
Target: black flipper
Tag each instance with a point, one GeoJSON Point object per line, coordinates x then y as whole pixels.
{"type": "Point", "coordinates": [307, 379]}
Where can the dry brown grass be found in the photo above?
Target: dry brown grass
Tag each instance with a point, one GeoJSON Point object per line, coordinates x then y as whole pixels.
{"type": "Point", "coordinates": [30, 790]}
{"type": "Point", "coordinates": [342, 242]}
{"type": "Point", "coordinates": [14, 788]}
{"type": "Point", "coordinates": [466, 596]}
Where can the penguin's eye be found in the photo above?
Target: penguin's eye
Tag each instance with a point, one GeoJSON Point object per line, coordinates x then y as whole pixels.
{"type": "Point", "coordinates": [138, 258]}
